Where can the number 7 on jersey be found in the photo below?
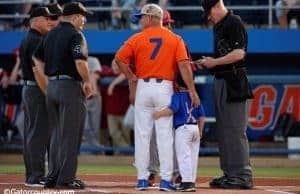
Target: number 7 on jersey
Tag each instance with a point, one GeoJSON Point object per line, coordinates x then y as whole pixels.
{"type": "Point", "coordinates": [157, 42]}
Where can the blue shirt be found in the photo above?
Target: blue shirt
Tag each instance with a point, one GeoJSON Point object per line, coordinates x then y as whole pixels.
{"type": "Point", "coordinates": [183, 111]}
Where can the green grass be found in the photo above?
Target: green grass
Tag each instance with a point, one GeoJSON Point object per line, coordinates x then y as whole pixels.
{"type": "Point", "coordinates": [130, 170]}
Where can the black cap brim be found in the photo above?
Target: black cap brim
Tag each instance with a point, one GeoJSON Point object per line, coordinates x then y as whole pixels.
{"type": "Point", "coordinates": [45, 15]}
{"type": "Point", "coordinates": [84, 13]}
{"type": "Point", "coordinates": [87, 13]}
{"type": "Point", "coordinates": [207, 6]}
{"type": "Point", "coordinates": [76, 8]}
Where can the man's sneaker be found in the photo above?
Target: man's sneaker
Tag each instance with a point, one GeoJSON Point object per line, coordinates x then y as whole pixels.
{"type": "Point", "coordinates": [236, 184]}
{"type": "Point", "coordinates": [75, 184]}
{"type": "Point", "coordinates": [151, 180]}
{"type": "Point", "coordinates": [216, 182]}
{"type": "Point", "coordinates": [142, 185]}
{"type": "Point", "coordinates": [187, 187]}
{"type": "Point", "coordinates": [177, 180]}
{"type": "Point", "coordinates": [166, 186]}
{"type": "Point", "coordinates": [43, 180]}
{"type": "Point", "coordinates": [50, 182]}
{"type": "Point", "coordinates": [34, 184]}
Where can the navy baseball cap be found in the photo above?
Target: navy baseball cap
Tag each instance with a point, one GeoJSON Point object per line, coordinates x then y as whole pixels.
{"type": "Point", "coordinates": [40, 11]}
{"type": "Point", "coordinates": [207, 5]}
{"type": "Point", "coordinates": [55, 9]}
{"type": "Point", "coordinates": [75, 8]}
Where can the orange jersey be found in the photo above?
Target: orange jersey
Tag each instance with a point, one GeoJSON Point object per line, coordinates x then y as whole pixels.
{"type": "Point", "coordinates": [155, 52]}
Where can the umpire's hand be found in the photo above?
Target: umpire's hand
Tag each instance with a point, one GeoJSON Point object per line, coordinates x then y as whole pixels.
{"type": "Point", "coordinates": [87, 89]}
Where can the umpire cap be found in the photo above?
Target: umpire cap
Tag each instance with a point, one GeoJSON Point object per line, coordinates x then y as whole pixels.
{"type": "Point", "coordinates": [55, 9]}
{"type": "Point", "coordinates": [75, 8]}
{"type": "Point", "coordinates": [40, 11]}
{"type": "Point", "coordinates": [207, 5]}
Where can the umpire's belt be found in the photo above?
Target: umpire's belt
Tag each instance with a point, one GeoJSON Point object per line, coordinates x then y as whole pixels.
{"type": "Point", "coordinates": [30, 83]}
{"type": "Point", "coordinates": [60, 77]}
{"type": "Point", "coordinates": [157, 80]}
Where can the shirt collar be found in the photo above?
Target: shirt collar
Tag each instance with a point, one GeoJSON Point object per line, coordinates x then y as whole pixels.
{"type": "Point", "coordinates": [66, 24]}
{"type": "Point", "coordinates": [229, 12]}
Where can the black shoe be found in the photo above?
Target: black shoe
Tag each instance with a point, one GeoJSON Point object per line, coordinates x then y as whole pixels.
{"type": "Point", "coordinates": [38, 182]}
{"type": "Point", "coordinates": [178, 180]}
{"type": "Point", "coordinates": [216, 182]}
{"type": "Point", "coordinates": [187, 187]}
{"type": "Point", "coordinates": [50, 182]}
{"type": "Point", "coordinates": [237, 184]}
{"type": "Point", "coordinates": [151, 180]}
{"type": "Point", "coordinates": [43, 180]}
{"type": "Point", "coordinates": [75, 184]}
{"type": "Point", "coordinates": [34, 184]}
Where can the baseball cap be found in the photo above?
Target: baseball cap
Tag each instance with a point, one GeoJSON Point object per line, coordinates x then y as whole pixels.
{"type": "Point", "coordinates": [75, 8]}
{"type": "Point", "coordinates": [151, 9]}
{"type": "Point", "coordinates": [55, 9]}
{"type": "Point", "coordinates": [40, 11]}
{"type": "Point", "coordinates": [207, 5]}
{"type": "Point", "coordinates": [167, 17]}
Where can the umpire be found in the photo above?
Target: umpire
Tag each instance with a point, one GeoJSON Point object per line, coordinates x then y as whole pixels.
{"type": "Point", "coordinates": [64, 53]}
{"type": "Point", "coordinates": [36, 119]}
{"type": "Point", "coordinates": [231, 91]}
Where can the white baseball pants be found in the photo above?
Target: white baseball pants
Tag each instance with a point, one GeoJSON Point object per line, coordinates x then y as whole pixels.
{"type": "Point", "coordinates": [153, 96]}
{"type": "Point", "coordinates": [187, 144]}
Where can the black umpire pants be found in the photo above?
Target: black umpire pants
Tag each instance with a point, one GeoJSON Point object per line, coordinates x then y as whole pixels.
{"type": "Point", "coordinates": [66, 108]}
{"type": "Point", "coordinates": [231, 125]}
{"type": "Point", "coordinates": [36, 133]}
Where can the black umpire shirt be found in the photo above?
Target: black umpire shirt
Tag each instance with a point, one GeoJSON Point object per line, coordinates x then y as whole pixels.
{"type": "Point", "coordinates": [59, 50]}
{"type": "Point", "coordinates": [229, 34]}
{"type": "Point", "coordinates": [27, 48]}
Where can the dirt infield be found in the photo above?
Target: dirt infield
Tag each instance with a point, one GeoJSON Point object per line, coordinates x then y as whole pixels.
{"type": "Point", "coordinates": [111, 184]}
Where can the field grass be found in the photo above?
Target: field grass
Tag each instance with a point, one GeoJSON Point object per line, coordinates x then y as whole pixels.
{"type": "Point", "coordinates": [130, 170]}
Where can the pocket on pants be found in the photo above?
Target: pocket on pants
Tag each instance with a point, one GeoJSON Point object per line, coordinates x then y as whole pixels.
{"type": "Point", "coordinates": [238, 87]}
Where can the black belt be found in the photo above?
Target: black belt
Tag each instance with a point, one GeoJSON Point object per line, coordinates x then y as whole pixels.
{"type": "Point", "coordinates": [223, 74]}
{"type": "Point", "coordinates": [60, 77]}
{"type": "Point", "coordinates": [219, 75]}
{"type": "Point", "coordinates": [157, 80]}
{"type": "Point", "coordinates": [177, 126]}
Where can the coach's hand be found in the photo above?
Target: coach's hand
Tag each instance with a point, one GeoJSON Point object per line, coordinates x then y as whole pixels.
{"type": "Point", "coordinates": [208, 62]}
{"type": "Point", "coordinates": [194, 98]}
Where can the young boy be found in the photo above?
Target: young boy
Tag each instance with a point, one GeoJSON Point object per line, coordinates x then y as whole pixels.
{"type": "Point", "coordinates": [188, 122]}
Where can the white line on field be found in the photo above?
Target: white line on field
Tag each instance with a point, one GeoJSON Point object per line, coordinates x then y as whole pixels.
{"type": "Point", "coordinates": [282, 192]}
{"type": "Point", "coordinates": [16, 183]}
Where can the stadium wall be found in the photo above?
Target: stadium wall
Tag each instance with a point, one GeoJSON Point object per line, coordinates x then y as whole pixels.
{"type": "Point", "coordinates": [198, 41]}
